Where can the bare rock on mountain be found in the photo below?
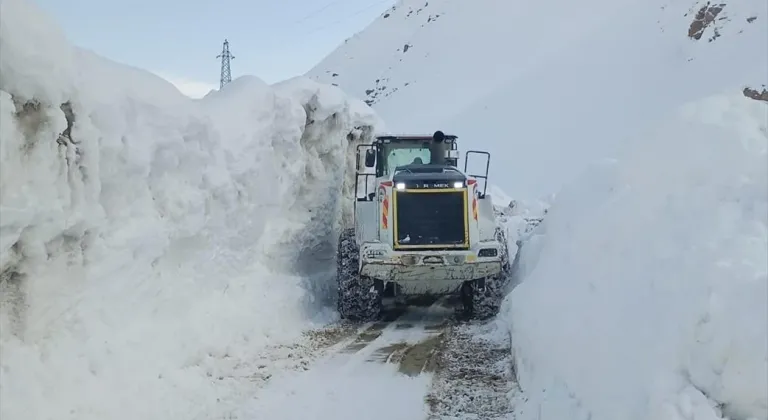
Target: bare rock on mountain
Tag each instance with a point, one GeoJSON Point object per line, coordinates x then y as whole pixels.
{"type": "Point", "coordinates": [758, 95]}
{"type": "Point", "coordinates": [704, 18]}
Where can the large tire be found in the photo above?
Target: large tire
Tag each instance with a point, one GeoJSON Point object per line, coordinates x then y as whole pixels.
{"type": "Point", "coordinates": [358, 299]}
{"type": "Point", "coordinates": [506, 266]}
{"type": "Point", "coordinates": [503, 282]}
{"type": "Point", "coordinates": [482, 303]}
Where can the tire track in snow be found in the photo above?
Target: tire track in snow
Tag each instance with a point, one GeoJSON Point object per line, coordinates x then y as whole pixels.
{"type": "Point", "coordinates": [471, 362]}
{"type": "Point", "coordinates": [406, 336]}
{"type": "Point", "coordinates": [370, 342]}
{"type": "Point", "coordinates": [435, 366]}
{"type": "Point", "coordinates": [382, 359]}
{"type": "Point", "coordinates": [414, 339]}
{"type": "Point", "coordinates": [474, 375]}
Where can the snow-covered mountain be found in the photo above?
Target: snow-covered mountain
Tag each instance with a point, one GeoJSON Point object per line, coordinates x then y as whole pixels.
{"type": "Point", "coordinates": [546, 87]}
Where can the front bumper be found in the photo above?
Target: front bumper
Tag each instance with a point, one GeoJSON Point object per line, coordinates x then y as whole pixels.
{"type": "Point", "coordinates": [429, 272]}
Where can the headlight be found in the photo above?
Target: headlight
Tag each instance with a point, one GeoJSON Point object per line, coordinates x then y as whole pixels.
{"type": "Point", "coordinates": [488, 252]}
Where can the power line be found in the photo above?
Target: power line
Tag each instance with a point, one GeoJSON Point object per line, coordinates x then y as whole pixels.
{"type": "Point", "coordinates": [318, 11]}
{"type": "Point", "coordinates": [359, 12]}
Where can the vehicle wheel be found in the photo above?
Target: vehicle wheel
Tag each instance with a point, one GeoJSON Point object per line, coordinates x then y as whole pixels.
{"type": "Point", "coordinates": [358, 298]}
{"type": "Point", "coordinates": [482, 303]}
{"type": "Point", "coordinates": [506, 266]}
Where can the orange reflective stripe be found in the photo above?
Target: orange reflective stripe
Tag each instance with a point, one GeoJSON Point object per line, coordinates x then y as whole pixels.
{"type": "Point", "coordinates": [385, 212]}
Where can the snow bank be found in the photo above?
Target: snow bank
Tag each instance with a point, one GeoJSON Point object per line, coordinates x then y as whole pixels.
{"type": "Point", "coordinates": [152, 246]}
{"type": "Point", "coordinates": [519, 219]}
{"type": "Point", "coordinates": [646, 299]}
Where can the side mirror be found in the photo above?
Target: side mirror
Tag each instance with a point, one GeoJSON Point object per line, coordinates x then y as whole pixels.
{"type": "Point", "coordinates": [370, 158]}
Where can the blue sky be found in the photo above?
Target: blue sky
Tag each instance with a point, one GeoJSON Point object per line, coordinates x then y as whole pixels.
{"type": "Point", "coordinates": [179, 39]}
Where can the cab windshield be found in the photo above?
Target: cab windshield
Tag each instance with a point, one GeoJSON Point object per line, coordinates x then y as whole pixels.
{"type": "Point", "coordinates": [405, 154]}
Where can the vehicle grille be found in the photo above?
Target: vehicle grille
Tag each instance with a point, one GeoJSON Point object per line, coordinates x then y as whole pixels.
{"type": "Point", "coordinates": [431, 220]}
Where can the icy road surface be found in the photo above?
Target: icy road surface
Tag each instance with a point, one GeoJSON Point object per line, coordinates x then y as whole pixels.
{"type": "Point", "coordinates": [416, 362]}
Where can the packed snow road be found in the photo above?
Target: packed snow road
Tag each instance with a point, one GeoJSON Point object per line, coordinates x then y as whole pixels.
{"type": "Point", "coordinates": [420, 361]}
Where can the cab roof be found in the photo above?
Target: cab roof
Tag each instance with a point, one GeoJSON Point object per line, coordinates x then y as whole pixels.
{"type": "Point", "coordinates": [413, 137]}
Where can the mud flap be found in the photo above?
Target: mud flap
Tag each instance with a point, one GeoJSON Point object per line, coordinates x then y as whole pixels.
{"type": "Point", "coordinates": [480, 285]}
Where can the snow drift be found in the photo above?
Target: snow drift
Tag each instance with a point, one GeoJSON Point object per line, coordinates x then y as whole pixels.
{"type": "Point", "coordinates": [151, 246]}
{"type": "Point", "coordinates": [645, 293]}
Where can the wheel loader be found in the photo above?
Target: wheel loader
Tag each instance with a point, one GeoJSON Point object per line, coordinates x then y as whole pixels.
{"type": "Point", "coordinates": [422, 227]}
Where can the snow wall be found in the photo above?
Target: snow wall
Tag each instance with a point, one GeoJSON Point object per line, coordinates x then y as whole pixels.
{"type": "Point", "coordinates": [645, 289]}
{"type": "Point", "coordinates": [152, 245]}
